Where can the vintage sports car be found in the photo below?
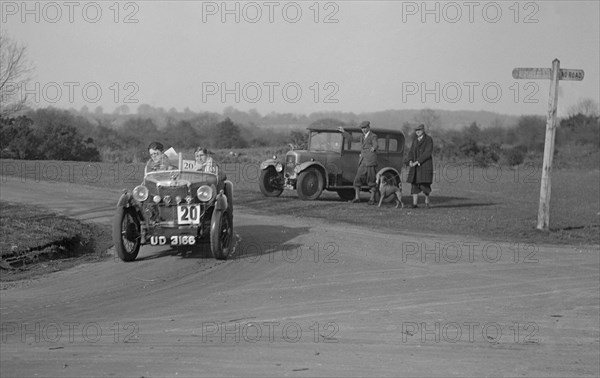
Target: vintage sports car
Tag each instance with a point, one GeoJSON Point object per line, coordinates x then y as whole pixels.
{"type": "Point", "coordinates": [330, 163]}
{"type": "Point", "coordinates": [180, 207]}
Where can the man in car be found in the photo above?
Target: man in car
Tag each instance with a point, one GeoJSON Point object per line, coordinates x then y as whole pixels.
{"type": "Point", "coordinates": [367, 163]}
{"type": "Point", "coordinates": [158, 160]}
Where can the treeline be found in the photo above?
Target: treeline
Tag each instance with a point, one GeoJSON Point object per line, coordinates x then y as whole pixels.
{"type": "Point", "coordinates": [53, 134]}
{"type": "Point", "coordinates": [61, 135]}
{"type": "Point", "coordinates": [511, 145]}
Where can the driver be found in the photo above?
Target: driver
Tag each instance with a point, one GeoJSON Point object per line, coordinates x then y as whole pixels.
{"type": "Point", "coordinates": [158, 160]}
{"type": "Point", "coordinates": [204, 163]}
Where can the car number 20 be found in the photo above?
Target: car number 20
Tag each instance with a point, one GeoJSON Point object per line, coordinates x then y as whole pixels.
{"type": "Point", "coordinates": [188, 214]}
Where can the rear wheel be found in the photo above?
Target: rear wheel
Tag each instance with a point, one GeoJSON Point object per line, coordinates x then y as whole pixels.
{"type": "Point", "coordinates": [392, 178]}
{"type": "Point", "coordinates": [270, 182]}
{"type": "Point", "coordinates": [126, 233]}
{"type": "Point", "coordinates": [221, 234]}
{"type": "Point", "coordinates": [310, 184]}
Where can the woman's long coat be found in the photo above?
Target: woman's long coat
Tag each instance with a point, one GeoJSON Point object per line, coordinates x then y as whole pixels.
{"type": "Point", "coordinates": [421, 151]}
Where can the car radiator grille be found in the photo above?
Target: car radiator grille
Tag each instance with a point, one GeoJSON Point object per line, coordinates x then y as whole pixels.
{"type": "Point", "coordinates": [173, 192]}
{"type": "Point", "coordinates": [290, 163]}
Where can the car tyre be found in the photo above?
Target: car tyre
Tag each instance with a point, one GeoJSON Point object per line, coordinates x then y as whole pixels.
{"type": "Point", "coordinates": [126, 233]}
{"type": "Point", "coordinates": [266, 185]}
{"type": "Point", "coordinates": [221, 234]}
{"type": "Point", "coordinates": [310, 184]}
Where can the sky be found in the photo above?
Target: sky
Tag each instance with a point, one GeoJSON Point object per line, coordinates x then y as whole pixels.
{"type": "Point", "coordinates": [305, 56]}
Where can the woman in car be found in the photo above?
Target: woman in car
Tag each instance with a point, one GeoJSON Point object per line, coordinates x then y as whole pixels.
{"type": "Point", "coordinates": [158, 160]}
{"type": "Point", "coordinates": [204, 163]}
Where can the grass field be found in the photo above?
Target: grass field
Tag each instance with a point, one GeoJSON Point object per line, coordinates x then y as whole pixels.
{"type": "Point", "coordinates": [34, 237]}
{"type": "Point", "coordinates": [496, 203]}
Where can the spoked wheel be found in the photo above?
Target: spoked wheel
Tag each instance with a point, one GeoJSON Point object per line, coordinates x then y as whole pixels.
{"type": "Point", "coordinates": [270, 182]}
{"type": "Point", "coordinates": [126, 234]}
{"type": "Point", "coordinates": [221, 234]}
{"type": "Point", "coordinates": [310, 184]}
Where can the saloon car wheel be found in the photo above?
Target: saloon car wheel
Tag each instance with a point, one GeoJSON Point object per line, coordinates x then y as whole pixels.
{"type": "Point", "coordinates": [126, 234]}
{"type": "Point", "coordinates": [310, 184]}
{"type": "Point", "coordinates": [221, 234]}
{"type": "Point", "coordinates": [270, 182]}
{"type": "Point", "coordinates": [346, 194]}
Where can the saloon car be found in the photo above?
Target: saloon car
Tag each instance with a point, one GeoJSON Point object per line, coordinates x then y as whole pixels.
{"type": "Point", "coordinates": [177, 207]}
{"type": "Point", "coordinates": [330, 162]}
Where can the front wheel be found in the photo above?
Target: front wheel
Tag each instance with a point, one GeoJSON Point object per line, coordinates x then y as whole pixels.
{"type": "Point", "coordinates": [270, 182]}
{"type": "Point", "coordinates": [126, 233]}
{"type": "Point", "coordinates": [221, 233]}
{"type": "Point", "coordinates": [310, 184]}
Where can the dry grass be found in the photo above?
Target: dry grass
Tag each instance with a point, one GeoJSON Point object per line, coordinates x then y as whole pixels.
{"type": "Point", "coordinates": [494, 203]}
{"type": "Point", "coordinates": [35, 237]}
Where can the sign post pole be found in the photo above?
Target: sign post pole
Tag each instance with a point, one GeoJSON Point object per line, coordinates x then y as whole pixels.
{"type": "Point", "coordinates": [545, 187]}
{"type": "Point", "coordinates": [554, 74]}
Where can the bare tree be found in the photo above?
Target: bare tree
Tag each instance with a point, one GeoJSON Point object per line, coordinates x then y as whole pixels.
{"type": "Point", "coordinates": [585, 106]}
{"type": "Point", "coordinates": [15, 69]}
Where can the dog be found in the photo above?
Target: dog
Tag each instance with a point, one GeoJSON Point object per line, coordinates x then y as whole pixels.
{"type": "Point", "coordinates": [389, 192]}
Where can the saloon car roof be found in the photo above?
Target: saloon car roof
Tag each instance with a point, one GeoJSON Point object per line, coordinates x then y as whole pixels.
{"type": "Point", "coordinates": [356, 128]}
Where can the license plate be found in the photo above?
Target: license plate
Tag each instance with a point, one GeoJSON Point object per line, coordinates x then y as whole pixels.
{"type": "Point", "coordinates": [188, 214]}
{"type": "Point", "coordinates": [173, 240]}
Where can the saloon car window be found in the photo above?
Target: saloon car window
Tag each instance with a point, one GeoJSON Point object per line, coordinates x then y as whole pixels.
{"type": "Point", "coordinates": [326, 142]}
{"type": "Point", "coordinates": [356, 146]}
{"type": "Point", "coordinates": [395, 144]}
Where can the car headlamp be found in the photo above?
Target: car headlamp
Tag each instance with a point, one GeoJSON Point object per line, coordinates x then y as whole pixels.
{"type": "Point", "coordinates": [204, 193]}
{"type": "Point", "coordinates": [140, 193]}
{"type": "Point", "coordinates": [278, 167]}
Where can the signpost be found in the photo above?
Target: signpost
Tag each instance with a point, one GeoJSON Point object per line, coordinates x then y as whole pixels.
{"type": "Point", "coordinates": [554, 74]}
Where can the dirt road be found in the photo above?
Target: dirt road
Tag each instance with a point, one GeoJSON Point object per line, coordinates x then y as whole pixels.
{"type": "Point", "coordinates": [304, 298]}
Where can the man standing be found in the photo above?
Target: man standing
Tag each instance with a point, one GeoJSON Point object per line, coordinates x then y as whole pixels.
{"type": "Point", "coordinates": [367, 163]}
{"type": "Point", "coordinates": [420, 174]}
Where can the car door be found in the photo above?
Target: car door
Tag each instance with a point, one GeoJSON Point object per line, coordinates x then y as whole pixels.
{"type": "Point", "coordinates": [349, 160]}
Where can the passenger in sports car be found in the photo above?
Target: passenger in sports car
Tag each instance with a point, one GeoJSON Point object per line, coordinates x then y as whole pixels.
{"type": "Point", "coordinates": [204, 162]}
{"type": "Point", "coordinates": [158, 160]}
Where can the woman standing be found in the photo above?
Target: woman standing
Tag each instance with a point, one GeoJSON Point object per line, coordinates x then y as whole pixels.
{"type": "Point", "coordinates": [420, 174]}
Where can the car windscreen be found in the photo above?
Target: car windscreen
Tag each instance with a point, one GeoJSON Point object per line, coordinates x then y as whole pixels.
{"type": "Point", "coordinates": [325, 141]}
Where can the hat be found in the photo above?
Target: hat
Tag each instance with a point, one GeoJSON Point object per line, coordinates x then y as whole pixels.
{"type": "Point", "coordinates": [364, 124]}
{"type": "Point", "coordinates": [420, 127]}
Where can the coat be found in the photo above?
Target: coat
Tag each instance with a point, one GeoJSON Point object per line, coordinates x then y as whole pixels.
{"type": "Point", "coordinates": [368, 158]}
{"type": "Point", "coordinates": [162, 164]}
{"type": "Point", "coordinates": [421, 152]}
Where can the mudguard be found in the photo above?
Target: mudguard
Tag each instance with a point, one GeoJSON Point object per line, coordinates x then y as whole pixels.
{"type": "Point", "coordinates": [125, 199]}
{"type": "Point", "coordinates": [307, 164]}
{"type": "Point", "coordinates": [268, 163]}
{"type": "Point", "coordinates": [221, 202]}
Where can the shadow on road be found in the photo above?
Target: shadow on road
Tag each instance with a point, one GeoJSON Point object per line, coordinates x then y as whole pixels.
{"type": "Point", "coordinates": [249, 242]}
